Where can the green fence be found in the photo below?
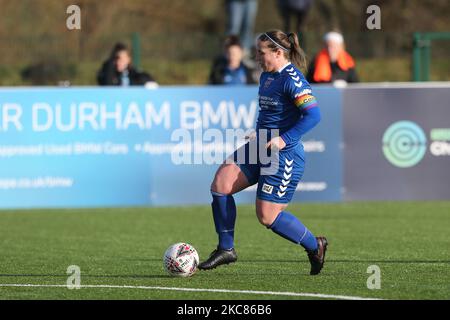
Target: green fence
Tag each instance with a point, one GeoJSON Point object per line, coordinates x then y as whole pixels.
{"type": "Point", "coordinates": [422, 53]}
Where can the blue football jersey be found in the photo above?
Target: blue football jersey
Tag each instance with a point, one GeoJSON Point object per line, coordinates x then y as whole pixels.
{"type": "Point", "coordinates": [283, 96]}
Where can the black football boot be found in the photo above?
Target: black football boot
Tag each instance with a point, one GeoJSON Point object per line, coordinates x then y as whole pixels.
{"type": "Point", "coordinates": [317, 257]}
{"type": "Point", "coordinates": [217, 258]}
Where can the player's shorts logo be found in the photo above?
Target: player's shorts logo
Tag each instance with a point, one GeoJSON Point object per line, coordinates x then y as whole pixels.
{"type": "Point", "coordinates": [404, 144]}
{"type": "Point", "coordinates": [267, 188]}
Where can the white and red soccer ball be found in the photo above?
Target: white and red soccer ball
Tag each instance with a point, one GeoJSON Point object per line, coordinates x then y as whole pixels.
{"type": "Point", "coordinates": [181, 260]}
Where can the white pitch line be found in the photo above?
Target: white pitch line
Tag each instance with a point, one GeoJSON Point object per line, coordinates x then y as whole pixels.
{"type": "Point", "coordinates": [274, 293]}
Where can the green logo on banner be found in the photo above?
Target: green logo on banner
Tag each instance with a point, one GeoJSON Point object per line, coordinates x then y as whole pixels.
{"type": "Point", "coordinates": [404, 144]}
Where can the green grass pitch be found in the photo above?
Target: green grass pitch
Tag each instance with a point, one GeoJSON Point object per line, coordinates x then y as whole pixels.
{"type": "Point", "coordinates": [408, 241]}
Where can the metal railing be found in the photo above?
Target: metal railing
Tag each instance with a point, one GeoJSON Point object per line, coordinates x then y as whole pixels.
{"type": "Point", "coordinates": [422, 53]}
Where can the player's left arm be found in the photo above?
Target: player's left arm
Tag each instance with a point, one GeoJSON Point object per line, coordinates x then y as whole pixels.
{"type": "Point", "coordinates": [306, 103]}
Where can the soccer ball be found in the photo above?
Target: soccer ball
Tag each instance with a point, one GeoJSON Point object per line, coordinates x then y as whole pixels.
{"type": "Point", "coordinates": [181, 260]}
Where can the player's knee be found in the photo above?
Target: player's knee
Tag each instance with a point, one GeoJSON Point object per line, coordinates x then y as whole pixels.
{"type": "Point", "coordinates": [265, 221]}
{"type": "Point", "coordinates": [220, 185]}
{"type": "Point", "coordinates": [264, 218]}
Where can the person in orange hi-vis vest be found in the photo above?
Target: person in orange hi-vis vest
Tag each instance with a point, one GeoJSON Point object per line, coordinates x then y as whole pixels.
{"type": "Point", "coordinates": [333, 64]}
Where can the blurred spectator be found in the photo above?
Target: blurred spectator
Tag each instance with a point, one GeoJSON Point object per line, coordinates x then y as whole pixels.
{"type": "Point", "coordinates": [241, 21]}
{"type": "Point", "coordinates": [333, 63]}
{"type": "Point", "coordinates": [49, 72]}
{"type": "Point", "coordinates": [119, 71]}
{"type": "Point", "coordinates": [299, 9]}
{"type": "Point", "coordinates": [229, 68]}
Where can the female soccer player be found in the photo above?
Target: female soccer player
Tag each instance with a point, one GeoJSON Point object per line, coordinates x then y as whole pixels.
{"type": "Point", "coordinates": [287, 105]}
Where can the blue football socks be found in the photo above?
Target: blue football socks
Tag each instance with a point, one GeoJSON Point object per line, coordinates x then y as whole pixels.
{"type": "Point", "coordinates": [290, 228]}
{"type": "Point", "coordinates": [224, 213]}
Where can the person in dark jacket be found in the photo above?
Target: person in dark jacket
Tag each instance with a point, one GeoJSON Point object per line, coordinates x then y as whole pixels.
{"type": "Point", "coordinates": [299, 9]}
{"type": "Point", "coordinates": [333, 64]}
{"type": "Point", "coordinates": [229, 68]}
{"type": "Point", "coordinates": [119, 71]}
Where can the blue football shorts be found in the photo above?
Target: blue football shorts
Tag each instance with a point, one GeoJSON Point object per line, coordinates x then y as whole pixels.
{"type": "Point", "coordinates": [276, 172]}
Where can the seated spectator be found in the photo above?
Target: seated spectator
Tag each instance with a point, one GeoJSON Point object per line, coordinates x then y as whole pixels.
{"type": "Point", "coordinates": [229, 68]}
{"type": "Point", "coordinates": [333, 63]}
{"type": "Point", "coordinates": [119, 71]}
